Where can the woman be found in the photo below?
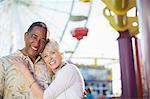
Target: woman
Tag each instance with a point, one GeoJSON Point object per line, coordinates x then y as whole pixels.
{"type": "Point", "coordinates": [67, 80]}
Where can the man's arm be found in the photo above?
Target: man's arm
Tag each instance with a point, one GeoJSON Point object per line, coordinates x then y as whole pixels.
{"type": "Point", "coordinates": [1, 79]}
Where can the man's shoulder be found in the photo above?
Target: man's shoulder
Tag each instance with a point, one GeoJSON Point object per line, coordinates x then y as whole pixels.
{"type": "Point", "coordinates": [8, 57]}
{"type": "Point", "coordinates": [5, 61]}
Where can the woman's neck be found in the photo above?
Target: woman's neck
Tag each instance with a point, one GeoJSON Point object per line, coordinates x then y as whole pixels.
{"type": "Point", "coordinates": [59, 67]}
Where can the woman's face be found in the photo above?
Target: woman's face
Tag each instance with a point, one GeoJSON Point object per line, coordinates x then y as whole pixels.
{"type": "Point", "coordinates": [52, 58]}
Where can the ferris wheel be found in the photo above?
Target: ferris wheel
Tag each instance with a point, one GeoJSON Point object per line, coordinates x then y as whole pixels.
{"type": "Point", "coordinates": [61, 16]}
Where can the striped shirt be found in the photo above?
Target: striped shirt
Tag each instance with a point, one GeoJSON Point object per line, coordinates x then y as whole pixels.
{"type": "Point", "coordinates": [13, 84]}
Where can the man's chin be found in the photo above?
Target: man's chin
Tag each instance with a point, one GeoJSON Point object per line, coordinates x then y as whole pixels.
{"type": "Point", "coordinates": [33, 54]}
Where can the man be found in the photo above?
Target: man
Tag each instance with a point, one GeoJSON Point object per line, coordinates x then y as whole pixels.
{"type": "Point", "coordinates": [12, 84]}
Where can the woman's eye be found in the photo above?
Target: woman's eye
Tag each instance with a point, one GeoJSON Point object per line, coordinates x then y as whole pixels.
{"type": "Point", "coordinates": [53, 52]}
{"type": "Point", "coordinates": [44, 56]}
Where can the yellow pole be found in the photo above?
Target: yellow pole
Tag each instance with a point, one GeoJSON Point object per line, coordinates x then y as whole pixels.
{"type": "Point", "coordinates": [120, 20]}
{"type": "Point", "coordinates": [95, 61]}
{"type": "Point", "coordinates": [120, 4]}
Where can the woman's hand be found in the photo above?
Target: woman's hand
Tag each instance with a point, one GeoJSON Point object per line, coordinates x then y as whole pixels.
{"type": "Point", "coordinates": [20, 64]}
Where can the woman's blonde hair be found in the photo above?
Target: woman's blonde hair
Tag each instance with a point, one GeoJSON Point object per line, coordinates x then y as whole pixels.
{"type": "Point", "coordinates": [52, 44]}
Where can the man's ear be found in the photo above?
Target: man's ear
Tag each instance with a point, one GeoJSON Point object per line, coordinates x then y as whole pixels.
{"type": "Point", "coordinates": [25, 36]}
{"type": "Point", "coordinates": [47, 40]}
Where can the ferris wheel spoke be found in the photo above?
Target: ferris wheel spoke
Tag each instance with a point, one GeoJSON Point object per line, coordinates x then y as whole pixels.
{"type": "Point", "coordinates": [51, 9]}
{"type": "Point", "coordinates": [45, 5]}
{"type": "Point", "coordinates": [4, 19]}
{"type": "Point", "coordinates": [78, 43]}
{"type": "Point", "coordinates": [56, 14]}
{"type": "Point", "coordinates": [4, 6]}
{"type": "Point", "coordinates": [35, 13]}
{"type": "Point", "coordinates": [75, 48]}
{"type": "Point", "coordinates": [41, 17]}
{"type": "Point", "coordinates": [61, 37]}
{"type": "Point", "coordinates": [2, 2]}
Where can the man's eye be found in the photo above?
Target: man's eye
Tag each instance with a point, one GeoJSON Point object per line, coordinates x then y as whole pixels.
{"type": "Point", "coordinates": [43, 40]}
{"type": "Point", "coordinates": [34, 36]}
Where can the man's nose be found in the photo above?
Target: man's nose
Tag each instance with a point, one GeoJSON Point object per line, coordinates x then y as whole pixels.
{"type": "Point", "coordinates": [37, 43]}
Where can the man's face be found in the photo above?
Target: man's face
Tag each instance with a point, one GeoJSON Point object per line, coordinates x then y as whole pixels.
{"type": "Point", "coordinates": [35, 41]}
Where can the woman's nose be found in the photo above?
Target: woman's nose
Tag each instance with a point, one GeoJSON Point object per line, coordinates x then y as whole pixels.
{"type": "Point", "coordinates": [50, 57]}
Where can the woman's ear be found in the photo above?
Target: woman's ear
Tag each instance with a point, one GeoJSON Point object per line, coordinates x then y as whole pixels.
{"type": "Point", "coordinates": [62, 55]}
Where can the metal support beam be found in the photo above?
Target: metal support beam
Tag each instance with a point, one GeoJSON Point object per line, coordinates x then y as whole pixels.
{"type": "Point", "coordinates": [144, 23]}
{"type": "Point", "coordinates": [128, 78]}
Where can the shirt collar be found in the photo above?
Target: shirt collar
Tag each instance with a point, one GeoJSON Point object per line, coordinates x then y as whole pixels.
{"type": "Point", "coordinates": [19, 53]}
{"type": "Point", "coordinates": [61, 66]}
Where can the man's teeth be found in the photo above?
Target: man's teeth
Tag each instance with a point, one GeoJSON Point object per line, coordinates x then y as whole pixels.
{"type": "Point", "coordinates": [34, 48]}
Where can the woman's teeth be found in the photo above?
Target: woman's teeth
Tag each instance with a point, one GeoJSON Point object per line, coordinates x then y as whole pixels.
{"type": "Point", "coordinates": [52, 62]}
